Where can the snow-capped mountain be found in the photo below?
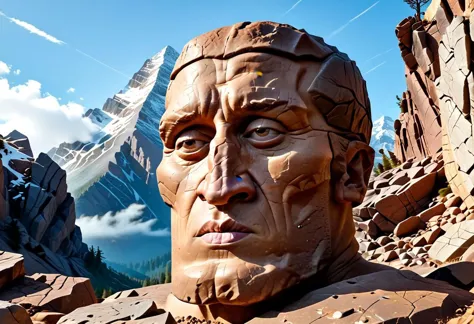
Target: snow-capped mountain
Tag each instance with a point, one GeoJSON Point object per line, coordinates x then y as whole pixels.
{"type": "Point", "coordinates": [117, 167]}
{"type": "Point", "coordinates": [383, 136]}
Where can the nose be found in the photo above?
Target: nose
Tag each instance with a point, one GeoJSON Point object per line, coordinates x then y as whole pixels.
{"type": "Point", "coordinates": [227, 180]}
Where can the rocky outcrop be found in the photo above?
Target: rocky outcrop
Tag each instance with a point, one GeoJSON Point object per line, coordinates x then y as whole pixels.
{"type": "Point", "coordinates": [44, 297]}
{"type": "Point", "coordinates": [418, 129]}
{"type": "Point", "coordinates": [37, 217]}
{"type": "Point", "coordinates": [437, 108]}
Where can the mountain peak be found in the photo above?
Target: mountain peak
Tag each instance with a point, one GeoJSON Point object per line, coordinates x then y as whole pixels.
{"type": "Point", "coordinates": [383, 136]}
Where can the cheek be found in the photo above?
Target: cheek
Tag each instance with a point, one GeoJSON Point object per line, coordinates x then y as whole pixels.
{"type": "Point", "coordinates": [304, 163]}
{"type": "Point", "coordinates": [179, 182]}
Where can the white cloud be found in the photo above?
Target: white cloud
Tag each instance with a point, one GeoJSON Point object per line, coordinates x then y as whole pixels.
{"type": "Point", "coordinates": [33, 29]}
{"type": "Point", "coordinates": [82, 99]}
{"type": "Point", "coordinates": [41, 117]}
{"type": "Point", "coordinates": [4, 68]}
{"type": "Point", "coordinates": [124, 222]}
{"type": "Point", "coordinates": [71, 90]}
{"type": "Point", "coordinates": [17, 72]}
{"type": "Point", "coordinates": [340, 29]}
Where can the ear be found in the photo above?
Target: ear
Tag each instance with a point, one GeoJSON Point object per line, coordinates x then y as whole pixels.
{"type": "Point", "coordinates": [352, 185]}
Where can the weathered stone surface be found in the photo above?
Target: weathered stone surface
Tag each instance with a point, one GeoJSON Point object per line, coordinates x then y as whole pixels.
{"type": "Point", "coordinates": [372, 296]}
{"type": "Point", "coordinates": [122, 309]}
{"type": "Point", "coordinates": [46, 213]}
{"type": "Point", "coordinates": [409, 226]}
{"type": "Point", "coordinates": [51, 292]}
{"type": "Point", "coordinates": [427, 214]}
{"type": "Point", "coordinates": [454, 243]}
{"type": "Point", "coordinates": [456, 274]}
{"type": "Point", "coordinates": [11, 267]}
{"type": "Point", "coordinates": [13, 314]}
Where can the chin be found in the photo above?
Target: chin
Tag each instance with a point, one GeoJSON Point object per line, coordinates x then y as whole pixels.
{"type": "Point", "coordinates": [231, 282]}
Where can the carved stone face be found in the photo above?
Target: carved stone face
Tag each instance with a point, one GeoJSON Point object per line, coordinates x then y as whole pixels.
{"type": "Point", "coordinates": [246, 169]}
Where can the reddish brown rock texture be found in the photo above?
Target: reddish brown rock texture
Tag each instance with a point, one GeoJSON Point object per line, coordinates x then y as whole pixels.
{"type": "Point", "coordinates": [437, 107]}
{"type": "Point", "coordinates": [45, 297]}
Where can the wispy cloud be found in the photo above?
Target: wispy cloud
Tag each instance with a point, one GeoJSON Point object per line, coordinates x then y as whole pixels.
{"type": "Point", "coordinates": [374, 68]}
{"type": "Point", "coordinates": [124, 222]}
{"type": "Point", "coordinates": [82, 99]}
{"type": "Point", "coordinates": [340, 29]}
{"type": "Point", "coordinates": [34, 30]}
{"type": "Point", "coordinates": [17, 72]}
{"type": "Point", "coordinates": [379, 55]}
{"type": "Point", "coordinates": [71, 90]}
{"type": "Point", "coordinates": [102, 63]}
{"type": "Point", "coordinates": [292, 7]}
{"type": "Point", "coordinates": [4, 68]}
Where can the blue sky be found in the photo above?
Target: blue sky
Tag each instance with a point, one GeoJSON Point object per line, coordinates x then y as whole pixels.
{"type": "Point", "coordinates": [122, 34]}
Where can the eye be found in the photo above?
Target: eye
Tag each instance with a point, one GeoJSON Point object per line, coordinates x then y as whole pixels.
{"type": "Point", "coordinates": [265, 133]}
{"type": "Point", "coordinates": [192, 144]}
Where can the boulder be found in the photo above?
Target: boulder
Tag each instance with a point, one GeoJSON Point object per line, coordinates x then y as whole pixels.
{"type": "Point", "coordinates": [454, 243]}
{"type": "Point", "coordinates": [427, 214]}
{"type": "Point", "coordinates": [409, 226]}
{"type": "Point", "coordinates": [11, 267]}
{"type": "Point", "coordinates": [13, 314]}
{"type": "Point", "coordinates": [51, 292]}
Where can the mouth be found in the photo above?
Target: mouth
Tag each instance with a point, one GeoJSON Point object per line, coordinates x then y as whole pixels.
{"type": "Point", "coordinates": [228, 231]}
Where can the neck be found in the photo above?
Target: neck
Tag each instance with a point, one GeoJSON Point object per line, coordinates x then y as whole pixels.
{"type": "Point", "coordinates": [347, 265]}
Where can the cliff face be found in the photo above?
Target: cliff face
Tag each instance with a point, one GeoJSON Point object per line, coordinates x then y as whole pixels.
{"type": "Point", "coordinates": [37, 213]}
{"type": "Point", "coordinates": [117, 168]}
{"type": "Point", "coordinates": [439, 105]}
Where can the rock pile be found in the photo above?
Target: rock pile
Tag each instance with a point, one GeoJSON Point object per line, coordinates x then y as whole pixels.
{"type": "Point", "coordinates": [54, 298]}
{"type": "Point", "coordinates": [404, 222]}
{"type": "Point", "coordinates": [40, 298]}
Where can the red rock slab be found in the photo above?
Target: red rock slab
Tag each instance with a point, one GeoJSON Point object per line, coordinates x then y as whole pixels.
{"type": "Point", "coordinates": [457, 239]}
{"type": "Point", "coordinates": [51, 292]}
{"type": "Point", "coordinates": [383, 297]}
{"type": "Point", "coordinates": [132, 308]}
{"type": "Point", "coordinates": [157, 293]}
{"type": "Point", "coordinates": [13, 314]}
{"type": "Point", "coordinates": [11, 267]}
{"type": "Point", "coordinates": [165, 318]}
{"type": "Point", "coordinates": [409, 226]}
{"type": "Point", "coordinates": [458, 274]}
{"type": "Point", "coordinates": [427, 214]}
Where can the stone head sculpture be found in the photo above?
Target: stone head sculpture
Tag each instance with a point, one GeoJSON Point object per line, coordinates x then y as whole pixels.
{"type": "Point", "coordinates": [265, 135]}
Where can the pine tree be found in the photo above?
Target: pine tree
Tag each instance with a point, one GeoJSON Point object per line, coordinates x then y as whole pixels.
{"type": "Point", "coordinates": [394, 161]}
{"type": "Point", "coordinates": [109, 292]}
{"type": "Point", "coordinates": [168, 272]}
{"type": "Point", "coordinates": [385, 161]}
{"type": "Point", "coordinates": [98, 258]}
{"type": "Point", "coordinates": [162, 278]}
{"type": "Point", "coordinates": [380, 167]}
{"type": "Point", "coordinates": [416, 5]}
{"type": "Point", "coordinates": [146, 282]}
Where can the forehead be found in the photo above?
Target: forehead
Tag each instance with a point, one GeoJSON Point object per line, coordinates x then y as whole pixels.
{"type": "Point", "coordinates": [247, 83]}
{"type": "Point", "coordinates": [236, 76]}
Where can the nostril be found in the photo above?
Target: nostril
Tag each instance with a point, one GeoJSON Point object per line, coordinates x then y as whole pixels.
{"type": "Point", "coordinates": [239, 196]}
{"type": "Point", "coordinates": [202, 197]}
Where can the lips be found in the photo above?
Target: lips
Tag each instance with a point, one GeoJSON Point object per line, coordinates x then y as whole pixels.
{"type": "Point", "coordinates": [228, 231]}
